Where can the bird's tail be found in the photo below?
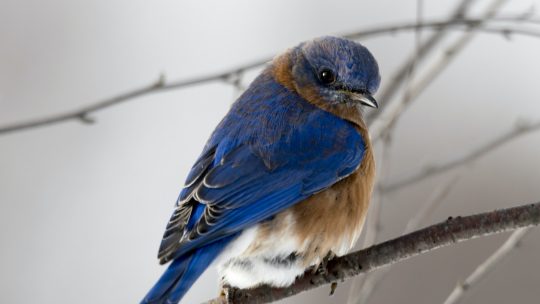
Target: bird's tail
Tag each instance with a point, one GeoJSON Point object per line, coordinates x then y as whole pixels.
{"type": "Point", "coordinates": [182, 273]}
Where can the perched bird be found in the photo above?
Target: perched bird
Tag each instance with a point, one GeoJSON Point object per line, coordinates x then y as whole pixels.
{"type": "Point", "coordinates": [285, 179]}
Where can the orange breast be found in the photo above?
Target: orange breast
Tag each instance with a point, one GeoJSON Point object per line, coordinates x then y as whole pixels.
{"type": "Point", "coordinates": [332, 220]}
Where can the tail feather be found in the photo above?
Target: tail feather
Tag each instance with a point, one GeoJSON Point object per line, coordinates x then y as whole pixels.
{"type": "Point", "coordinates": [182, 273]}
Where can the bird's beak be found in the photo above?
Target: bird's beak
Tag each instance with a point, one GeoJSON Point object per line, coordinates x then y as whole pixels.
{"type": "Point", "coordinates": [366, 100]}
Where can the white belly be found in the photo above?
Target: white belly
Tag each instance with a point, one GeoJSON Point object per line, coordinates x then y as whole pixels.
{"type": "Point", "coordinates": [249, 261]}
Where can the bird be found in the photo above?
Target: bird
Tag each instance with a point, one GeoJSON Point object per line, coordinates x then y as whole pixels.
{"type": "Point", "coordinates": [285, 179]}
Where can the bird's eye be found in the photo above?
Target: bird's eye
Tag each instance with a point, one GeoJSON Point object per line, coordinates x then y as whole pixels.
{"type": "Point", "coordinates": [327, 76]}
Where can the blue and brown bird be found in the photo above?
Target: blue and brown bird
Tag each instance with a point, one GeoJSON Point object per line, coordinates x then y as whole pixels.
{"type": "Point", "coordinates": [285, 179]}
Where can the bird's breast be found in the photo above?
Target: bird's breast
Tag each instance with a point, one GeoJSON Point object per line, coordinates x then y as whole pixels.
{"type": "Point", "coordinates": [332, 220]}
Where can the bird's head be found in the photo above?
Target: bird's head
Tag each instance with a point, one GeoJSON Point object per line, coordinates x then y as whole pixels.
{"type": "Point", "coordinates": [332, 71]}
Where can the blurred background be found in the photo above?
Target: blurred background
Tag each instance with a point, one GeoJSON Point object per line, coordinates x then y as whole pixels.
{"type": "Point", "coordinates": [83, 206]}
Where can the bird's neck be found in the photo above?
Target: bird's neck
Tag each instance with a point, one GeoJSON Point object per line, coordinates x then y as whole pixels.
{"type": "Point", "coordinates": [281, 69]}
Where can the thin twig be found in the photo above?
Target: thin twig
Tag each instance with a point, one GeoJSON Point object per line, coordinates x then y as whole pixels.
{"type": "Point", "coordinates": [488, 265]}
{"type": "Point", "coordinates": [436, 236]}
{"type": "Point", "coordinates": [81, 114]}
{"type": "Point", "coordinates": [509, 32]}
{"type": "Point", "coordinates": [464, 24]}
{"type": "Point", "coordinates": [521, 129]}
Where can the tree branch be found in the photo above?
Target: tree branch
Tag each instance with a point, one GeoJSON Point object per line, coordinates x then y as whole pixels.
{"type": "Point", "coordinates": [436, 236]}
{"type": "Point", "coordinates": [82, 114]}
{"type": "Point", "coordinates": [520, 130]}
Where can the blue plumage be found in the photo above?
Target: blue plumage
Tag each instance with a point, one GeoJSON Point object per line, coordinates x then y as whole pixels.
{"type": "Point", "coordinates": [335, 53]}
{"type": "Point", "coordinates": [272, 150]}
{"type": "Point", "coordinates": [182, 273]}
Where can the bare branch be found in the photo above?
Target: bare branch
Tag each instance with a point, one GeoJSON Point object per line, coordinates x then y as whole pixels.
{"type": "Point", "coordinates": [436, 236]}
{"type": "Point", "coordinates": [520, 130]}
{"type": "Point", "coordinates": [81, 114]}
{"type": "Point", "coordinates": [489, 264]}
{"type": "Point", "coordinates": [465, 24]}
{"type": "Point", "coordinates": [161, 85]}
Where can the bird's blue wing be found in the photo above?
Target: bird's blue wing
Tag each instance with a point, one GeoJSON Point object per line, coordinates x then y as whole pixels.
{"type": "Point", "coordinates": [255, 166]}
{"type": "Point", "coordinates": [240, 189]}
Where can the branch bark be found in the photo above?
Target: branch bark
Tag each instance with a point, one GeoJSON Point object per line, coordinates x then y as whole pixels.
{"type": "Point", "coordinates": [436, 236]}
